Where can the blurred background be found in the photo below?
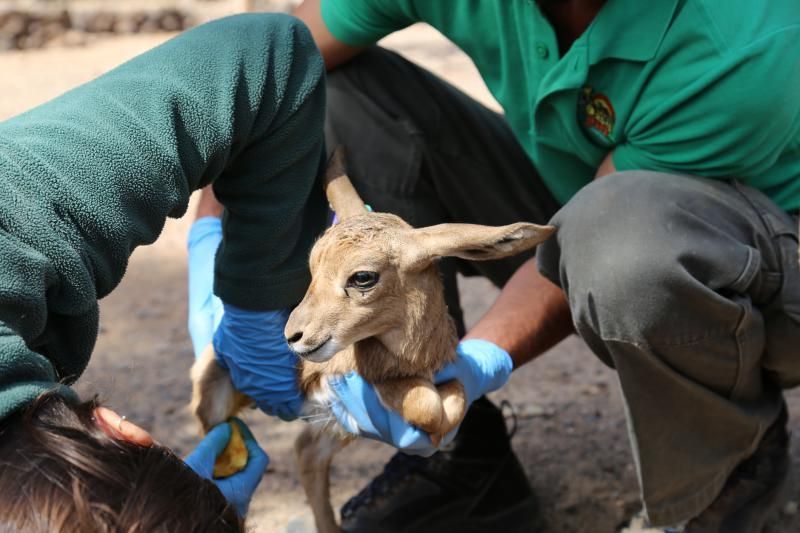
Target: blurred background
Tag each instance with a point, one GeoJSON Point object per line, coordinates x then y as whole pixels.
{"type": "Point", "coordinates": [570, 431]}
{"type": "Point", "coordinates": [28, 24]}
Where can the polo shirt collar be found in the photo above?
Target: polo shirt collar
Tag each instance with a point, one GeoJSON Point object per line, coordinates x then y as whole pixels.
{"type": "Point", "coordinates": [629, 29]}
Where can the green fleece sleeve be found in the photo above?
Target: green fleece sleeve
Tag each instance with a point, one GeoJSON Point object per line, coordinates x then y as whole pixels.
{"type": "Point", "coordinates": [94, 173]}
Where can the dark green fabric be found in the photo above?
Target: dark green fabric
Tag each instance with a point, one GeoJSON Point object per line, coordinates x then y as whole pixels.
{"type": "Point", "coordinates": [93, 174]}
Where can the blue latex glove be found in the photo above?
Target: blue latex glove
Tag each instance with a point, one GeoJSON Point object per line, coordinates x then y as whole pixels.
{"type": "Point", "coordinates": [238, 489]}
{"type": "Point", "coordinates": [252, 347]}
{"type": "Point", "coordinates": [481, 367]}
{"type": "Point", "coordinates": [205, 309]}
{"type": "Point", "coordinates": [249, 344]}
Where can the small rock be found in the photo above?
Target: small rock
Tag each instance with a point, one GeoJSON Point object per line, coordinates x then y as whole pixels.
{"type": "Point", "coordinates": [151, 24]}
{"type": "Point", "coordinates": [638, 524]}
{"type": "Point", "coordinates": [101, 22]}
{"type": "Point", "coordinates": [532, 410]}
{"type": "Point", "coordinates": [14, 23]}
{"type": "Point", "coordinates": [131, 22]}
{"type": "Point", "coordinates": [790, 509]}
{"type": "Point", "coordinates": [591, 390]}
{"type": "Point", "coordinates": [72, 38]}
{"type": "Point", "coordinates": [30, 41]}
{"type": "Point", "coordinates": [301, 524]}
{"type": "Point", "coordinates": [53, 30]}
{"type": "Point", "coordinates": [171, 20]}
{"type": "Point", "coordinates": [7, 43]}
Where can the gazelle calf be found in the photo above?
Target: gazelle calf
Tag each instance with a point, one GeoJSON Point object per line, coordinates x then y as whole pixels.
{"type": "Point", "coordinates": [375, 306]}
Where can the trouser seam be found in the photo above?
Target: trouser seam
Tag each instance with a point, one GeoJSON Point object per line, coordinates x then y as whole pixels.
{"type": "Point", "coordinates": [690, 506]}
{"type": "Point", "coordinates": [715, 334]}
{"type": "Point", "coordinates": [745, 278]}
{"type": "Point", "coordinates": [766, 225]}
{"type": "Point", "coordinates": [742, 338]}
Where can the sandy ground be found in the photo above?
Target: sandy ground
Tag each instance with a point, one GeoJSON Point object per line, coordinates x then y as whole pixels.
{"type": "Point", "coordinates": [571, 436]}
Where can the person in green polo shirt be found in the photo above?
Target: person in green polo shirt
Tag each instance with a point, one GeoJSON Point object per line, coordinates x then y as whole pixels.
{"type": "Point", "coordinates": [663, 139]}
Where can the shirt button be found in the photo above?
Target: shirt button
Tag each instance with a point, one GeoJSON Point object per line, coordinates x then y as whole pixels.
{"type": "Point", "coordinates": [542, 51]}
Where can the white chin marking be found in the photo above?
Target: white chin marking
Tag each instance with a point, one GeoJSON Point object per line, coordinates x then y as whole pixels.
{"type": "Point", "coordinates": [324, 352]}
{"type": "Point", "coordinates": [317, 411]}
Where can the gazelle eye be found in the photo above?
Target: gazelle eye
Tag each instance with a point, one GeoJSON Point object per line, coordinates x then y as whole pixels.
{"type": "Point", "coordinates": [363, 280]}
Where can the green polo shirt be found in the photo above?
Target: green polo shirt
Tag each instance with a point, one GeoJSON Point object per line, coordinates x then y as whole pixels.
{"type": "Point", "coordinates": [703, 87]}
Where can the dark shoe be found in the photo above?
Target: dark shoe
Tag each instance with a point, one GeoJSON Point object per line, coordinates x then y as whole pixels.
{"type": "Point", "coordinates": [752, 493]}
{"type": "Point", "coordinates": [750, 496]}
{"type": "Point", "coordinates": [476, 485]}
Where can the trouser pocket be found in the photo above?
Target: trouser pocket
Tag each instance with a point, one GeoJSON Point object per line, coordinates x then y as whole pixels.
{"type": "Point", "coordinates": [778, 294]}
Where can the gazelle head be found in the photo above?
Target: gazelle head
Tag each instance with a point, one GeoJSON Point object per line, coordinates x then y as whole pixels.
{"type": "Point", "coordinates": [372, 272]}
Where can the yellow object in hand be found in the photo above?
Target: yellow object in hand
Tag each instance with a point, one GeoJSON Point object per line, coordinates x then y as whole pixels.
{"type": "Point", "coordinates": [234, 457]}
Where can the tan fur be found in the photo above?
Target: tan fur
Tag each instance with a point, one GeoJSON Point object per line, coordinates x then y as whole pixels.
{"type": "Point", "coordinates": [396, 334]}
{"type": "Point", "coordinates": [339, 190]}
{"type": "Point", "coordinates": [214, 399]}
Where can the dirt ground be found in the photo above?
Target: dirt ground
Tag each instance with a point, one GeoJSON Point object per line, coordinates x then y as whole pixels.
{"type": "Point", "coordinates": [571, 434]}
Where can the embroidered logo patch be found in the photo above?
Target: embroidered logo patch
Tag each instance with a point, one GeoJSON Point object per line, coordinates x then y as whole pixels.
{"type": "Point", "coordinates": [595, 111]}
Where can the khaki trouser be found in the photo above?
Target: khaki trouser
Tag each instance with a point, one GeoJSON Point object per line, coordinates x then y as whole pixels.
{"type": "Point", "coordinates": [689, 287]}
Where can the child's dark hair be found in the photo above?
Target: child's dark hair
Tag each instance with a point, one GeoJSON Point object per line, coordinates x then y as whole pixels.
{"type": "Point", "coordinates": [60, 472]}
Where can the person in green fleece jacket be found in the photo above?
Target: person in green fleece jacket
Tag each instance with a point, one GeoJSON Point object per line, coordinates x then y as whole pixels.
{"type": "Point", "coordinates": [93, 174]}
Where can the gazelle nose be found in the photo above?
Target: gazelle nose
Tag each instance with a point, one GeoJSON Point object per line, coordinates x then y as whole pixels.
{"type": "Point", "coordinates": [295, 337]}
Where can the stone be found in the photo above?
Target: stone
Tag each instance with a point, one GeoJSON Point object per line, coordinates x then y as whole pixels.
{"type": "Point", "coordinates": [532, 410]}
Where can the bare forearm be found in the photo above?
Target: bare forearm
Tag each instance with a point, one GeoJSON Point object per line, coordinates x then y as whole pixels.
{"type": "Point", "coordinates": [530, 316]}
{"type": "Point", "coordinates": [208, 206]}
{"type": "Point", "coordinates": [334, 52]}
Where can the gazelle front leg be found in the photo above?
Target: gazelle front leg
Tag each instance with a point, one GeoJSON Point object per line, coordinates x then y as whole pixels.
{"type": "Point", "coordinates": [434, 410]}
{"type": "Point", "coordinates": [454, 403]}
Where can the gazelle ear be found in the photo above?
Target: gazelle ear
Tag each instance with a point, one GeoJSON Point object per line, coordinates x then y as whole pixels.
{"type": "Point", "coordinates": [473, 242]}
{"type": "Point", "coordinates": [342, 196]}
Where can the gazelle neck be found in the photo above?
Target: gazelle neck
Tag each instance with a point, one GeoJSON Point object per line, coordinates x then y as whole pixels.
{"type": "Point", "coordinates": [421, 345]}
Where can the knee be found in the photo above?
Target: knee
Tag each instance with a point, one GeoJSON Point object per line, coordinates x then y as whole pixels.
{"type": "Point", "coordinates": [614, 227]}
{"type": "Point", "coordinates": [617, 257]}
